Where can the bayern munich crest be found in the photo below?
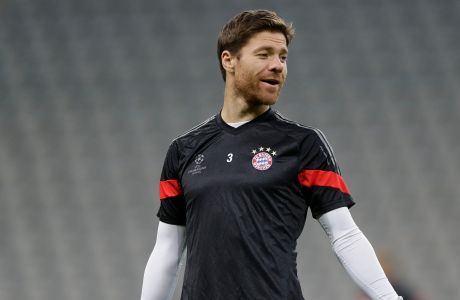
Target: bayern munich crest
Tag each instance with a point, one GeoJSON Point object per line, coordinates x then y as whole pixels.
{"type": "Point", "coordinates": [263, 158]}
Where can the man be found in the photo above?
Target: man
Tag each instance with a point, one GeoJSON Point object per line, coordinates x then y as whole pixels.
{"type": "Point", "coordinates": [236, 189]}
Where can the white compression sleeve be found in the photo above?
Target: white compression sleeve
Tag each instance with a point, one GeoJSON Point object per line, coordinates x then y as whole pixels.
{"type": "Point", "coordinates": [163, 264]}
{"type": "Point", "coordinates": [356, 254]}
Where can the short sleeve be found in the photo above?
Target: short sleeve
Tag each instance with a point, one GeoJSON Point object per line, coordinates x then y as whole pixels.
{"type": "Point", "coordinates": [319, 176]}
{"type": "Point", "coordinates": [172, 202]}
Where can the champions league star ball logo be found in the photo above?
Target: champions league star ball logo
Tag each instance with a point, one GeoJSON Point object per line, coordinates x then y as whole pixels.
{"type": "Point", "coordinates": [199, 166]}
{"type": "Point", "coordinates": [263, 159]}
{"type": "Point", "coordinates": [199, 159]}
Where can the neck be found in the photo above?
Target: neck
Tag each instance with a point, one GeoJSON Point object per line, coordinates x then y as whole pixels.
{"type": "Point", "coordinates": [238, 109]}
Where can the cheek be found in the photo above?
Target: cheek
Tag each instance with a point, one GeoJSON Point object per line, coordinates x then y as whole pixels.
{"type": "Point", "coordinates": [245, 77]}
{"type": "Point", "coordinates": [285, 70]}
{"type": "Point", "coordinates": [250, 68]}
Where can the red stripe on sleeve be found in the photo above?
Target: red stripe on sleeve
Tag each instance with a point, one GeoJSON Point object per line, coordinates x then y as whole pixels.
{"type": "Point", "coordinates": [331, 179]}
{"type": "Point", "coordinates": [170, 188]}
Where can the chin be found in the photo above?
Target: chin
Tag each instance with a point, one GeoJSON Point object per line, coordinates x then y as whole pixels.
{"type": "Point", "coordinates": [263, 101]}
{"type": "Point", "coordinates": [268, 99]}
{"type": "Point", "coordinates": [271, 101]}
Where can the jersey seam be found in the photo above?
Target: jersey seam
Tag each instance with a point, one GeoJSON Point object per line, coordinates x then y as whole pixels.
{"type": "Point", "coordinates": [195, 128]}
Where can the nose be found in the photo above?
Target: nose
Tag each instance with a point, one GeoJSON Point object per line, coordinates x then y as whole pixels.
{"type": "Point", "coordinates": [276, 65]}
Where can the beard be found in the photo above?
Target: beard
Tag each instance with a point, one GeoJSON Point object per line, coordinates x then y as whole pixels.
{"type": "Point", "coordinates": [256, 92]}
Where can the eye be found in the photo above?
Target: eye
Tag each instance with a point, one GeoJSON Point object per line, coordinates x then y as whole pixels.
{"type": "Point", "coordinates": [262, 55]}
{"type": "Point", "coordinates": [283, 58]}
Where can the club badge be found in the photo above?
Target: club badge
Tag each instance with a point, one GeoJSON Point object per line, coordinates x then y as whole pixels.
{"type": "Point", "coordinates": [263, 158]}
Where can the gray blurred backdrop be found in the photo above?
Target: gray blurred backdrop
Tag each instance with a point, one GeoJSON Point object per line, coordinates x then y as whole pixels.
{"type": "Point", "coordinates": [93, 91]}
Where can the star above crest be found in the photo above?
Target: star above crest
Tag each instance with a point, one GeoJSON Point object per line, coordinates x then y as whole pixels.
{"type": "Point", "coordinates": [268, 150]}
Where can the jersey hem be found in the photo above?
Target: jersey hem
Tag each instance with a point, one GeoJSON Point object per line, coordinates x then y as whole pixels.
{"type": "Point", "coordinates": [344, 203]}
{"type": "Point", "coordinates": [169, 221]}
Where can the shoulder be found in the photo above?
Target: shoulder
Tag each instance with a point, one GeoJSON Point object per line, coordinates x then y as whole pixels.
{"type": "Point", "coordinates": [196, 134]}
{"type": "Point", "coordinates": [296, 129]}
{"type": "Point", "coordinates": [309, 138]}
{"type": "Point", "coordinates": [202, 128]}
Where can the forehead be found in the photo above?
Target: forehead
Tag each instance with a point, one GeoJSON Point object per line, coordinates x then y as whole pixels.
{"type": "Point", "coordinates": [267, 39]}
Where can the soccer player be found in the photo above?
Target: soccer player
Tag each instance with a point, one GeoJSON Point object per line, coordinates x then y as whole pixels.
{"type": "Point", "coordinates": [235, 189]}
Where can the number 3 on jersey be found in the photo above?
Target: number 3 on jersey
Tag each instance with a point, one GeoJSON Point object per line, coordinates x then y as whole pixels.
{"type": "Point", "coordinates": [229, 157]}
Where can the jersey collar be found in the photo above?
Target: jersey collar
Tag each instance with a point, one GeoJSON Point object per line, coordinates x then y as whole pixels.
{"type": "Point", "coordinates": [261, 118]}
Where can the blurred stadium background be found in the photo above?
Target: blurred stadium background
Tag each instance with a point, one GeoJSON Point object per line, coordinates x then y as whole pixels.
{"type": "Point", "coordinates": [92, 93]}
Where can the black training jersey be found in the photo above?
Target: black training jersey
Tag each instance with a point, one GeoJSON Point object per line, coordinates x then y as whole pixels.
{"type": "Point", "coordinates": [243, 194]}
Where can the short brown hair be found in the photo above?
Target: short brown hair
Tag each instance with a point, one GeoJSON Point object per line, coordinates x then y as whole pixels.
{"type": "Point", "coordinates": [243, 26]}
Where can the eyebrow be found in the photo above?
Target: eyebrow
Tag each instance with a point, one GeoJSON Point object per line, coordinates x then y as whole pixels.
{"type": "Point", "coordinates": [284, 50]}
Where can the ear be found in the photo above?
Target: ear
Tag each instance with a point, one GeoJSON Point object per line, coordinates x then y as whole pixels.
{"type": "Point", "coordinates": [228, 61]}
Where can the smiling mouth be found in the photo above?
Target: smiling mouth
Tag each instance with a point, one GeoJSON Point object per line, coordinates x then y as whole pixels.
{"type": "Point", "coordinates": [271, 81]}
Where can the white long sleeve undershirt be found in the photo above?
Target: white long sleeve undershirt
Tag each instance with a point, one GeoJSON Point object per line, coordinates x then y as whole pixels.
{"type": "Point", "coordinates": [161, 271]}
{"type": "Point", "coordinates": [356, 254]}
{"type": "Point", "coordinates": [349, 244]}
